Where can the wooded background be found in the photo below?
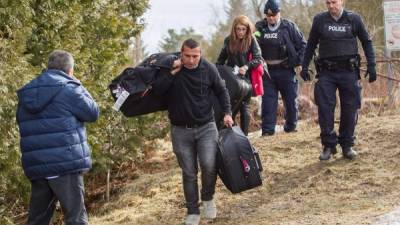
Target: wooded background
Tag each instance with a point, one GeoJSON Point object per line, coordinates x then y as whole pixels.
{"type": "Point", "coordinates": [105, 37]}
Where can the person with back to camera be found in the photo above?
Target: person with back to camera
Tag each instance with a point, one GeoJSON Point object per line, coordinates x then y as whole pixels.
{"type": "Point", "coordinates": [235, 52]}
{"type": "Point", "coordinates": [282, 46]}
{"type": "Point", "coordinates": [338, 62]}
{"type": "Point", "coordinates": [194, 133]}
{"type": "Point", "coordinates": [52, 110]}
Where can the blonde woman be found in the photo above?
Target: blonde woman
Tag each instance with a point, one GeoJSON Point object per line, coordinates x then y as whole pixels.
{"type": "Point", "coordinates": [235, 52]}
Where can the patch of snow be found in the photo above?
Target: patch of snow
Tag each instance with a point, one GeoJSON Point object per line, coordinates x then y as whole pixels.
{"type": "Point", "coordinates": [391, 218]}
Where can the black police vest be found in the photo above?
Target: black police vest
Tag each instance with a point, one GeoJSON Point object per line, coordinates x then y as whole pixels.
{"type": "Point", "coordinates": [273, 47]}
{"type": "Point", "coordinates": [337, 39]}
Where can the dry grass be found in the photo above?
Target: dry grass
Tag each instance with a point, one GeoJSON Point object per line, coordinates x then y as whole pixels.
{"type": "Point", "coordinates": [297, 189]}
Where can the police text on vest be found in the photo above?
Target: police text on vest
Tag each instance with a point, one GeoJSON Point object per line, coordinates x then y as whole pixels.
{"type": "Point", "coordinates": [337, 28]}
{"type": "Point", "coordinates": [271, 36]}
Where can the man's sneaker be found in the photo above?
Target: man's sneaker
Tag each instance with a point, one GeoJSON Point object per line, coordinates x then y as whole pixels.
{"type": "Point", "coordinates": [192, 219]}
{"type": "Point", "coordinates": [210, 209]}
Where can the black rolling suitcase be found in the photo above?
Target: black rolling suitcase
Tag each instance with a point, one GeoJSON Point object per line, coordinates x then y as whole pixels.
{"type": "Point", "coordinates": [239, 165]}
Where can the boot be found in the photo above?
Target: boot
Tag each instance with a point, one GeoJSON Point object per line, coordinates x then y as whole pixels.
{"type": "Point", "coordinates": [327, 152]}
{"type": "Point", "coordinates": [267, 134]}
{"type": "Point", "coordinates": [244, 122]}
{"type": "Point", "coordinates": [289, 129]}
{"type": "Point", "coordinates": [349, 153]}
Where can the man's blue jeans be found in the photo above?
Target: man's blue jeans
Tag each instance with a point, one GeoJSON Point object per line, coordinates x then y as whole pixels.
{"type": "Point", "coordinates": [190, 146]}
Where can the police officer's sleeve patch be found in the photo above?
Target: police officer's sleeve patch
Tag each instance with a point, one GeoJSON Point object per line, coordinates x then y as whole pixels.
{"type": "Point", "coordinates": [257, 34]}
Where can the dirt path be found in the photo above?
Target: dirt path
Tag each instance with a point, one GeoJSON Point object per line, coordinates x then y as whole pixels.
{"type": "Point", "coordinates": [298, 188]}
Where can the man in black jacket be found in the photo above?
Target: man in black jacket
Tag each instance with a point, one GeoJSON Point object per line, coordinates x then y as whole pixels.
{"type": "Point", "coordinates": [193, 130]}
{"type": "Point", "coordinates": [336, 32]}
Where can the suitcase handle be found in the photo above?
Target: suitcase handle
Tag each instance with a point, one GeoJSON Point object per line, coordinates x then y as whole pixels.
{"type": "Point", "coordinates": [258, 160]}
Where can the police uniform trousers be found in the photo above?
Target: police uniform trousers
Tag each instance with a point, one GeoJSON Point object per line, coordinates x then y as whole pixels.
{"type": "Point", "coordinates": [284, 81]}
{"type": "Point", "coordinates": [350, 101]}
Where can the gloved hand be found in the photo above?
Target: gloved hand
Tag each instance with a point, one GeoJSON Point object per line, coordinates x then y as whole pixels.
{"type": "Point", "coordinates": [371, 74]}
{"type": "Point", "coordinates": [305, 75]}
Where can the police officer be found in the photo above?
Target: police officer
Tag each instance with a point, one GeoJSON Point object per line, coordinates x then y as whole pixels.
{"type": "Point", "coordinates": [282, 46]}
{"type": "Point", "coordinates": [337, 65]}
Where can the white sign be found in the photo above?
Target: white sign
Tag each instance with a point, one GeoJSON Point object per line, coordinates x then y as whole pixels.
{"type": "Point", "coordinates": [391, 9]}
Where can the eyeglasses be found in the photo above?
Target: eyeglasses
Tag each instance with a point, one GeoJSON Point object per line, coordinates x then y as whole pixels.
{"type": "Point", "coordinates": [271, 14]}
{"type": "Point", "coordinates": [241, 29]}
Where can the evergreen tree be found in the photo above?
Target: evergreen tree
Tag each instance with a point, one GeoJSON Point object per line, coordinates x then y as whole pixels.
{"type": "Point", "coordinates": [173, 41]}
{"type": "Point", "coordinates": [98, 34]}
{"type": "Point", "coordinates": [234, 8]}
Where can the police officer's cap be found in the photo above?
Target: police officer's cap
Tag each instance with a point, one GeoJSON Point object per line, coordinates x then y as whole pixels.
{"type": "Point", "coordinates": [273, 5]}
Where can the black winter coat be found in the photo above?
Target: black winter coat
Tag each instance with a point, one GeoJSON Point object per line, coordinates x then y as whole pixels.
{"type": "Point", "coordinates": [240, 59]}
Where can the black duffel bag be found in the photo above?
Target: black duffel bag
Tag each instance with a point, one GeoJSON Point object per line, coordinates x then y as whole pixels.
{"type": "Point", "coordinates": [138, 83]}
{"type": "Point", "coordinates": [238, 89]}
{"type": "Point", "coordinates": [238, 164]}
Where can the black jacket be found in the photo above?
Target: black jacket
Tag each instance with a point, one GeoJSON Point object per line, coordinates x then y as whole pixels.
{"type": "Point", "coordinates": [293, 38]}
{"type": "Point", "coordinates": [240, 59]}
{"type": "Point", "coordinates": [189, 94]}
{"type": "Point", "coordinates": [359, 31]}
